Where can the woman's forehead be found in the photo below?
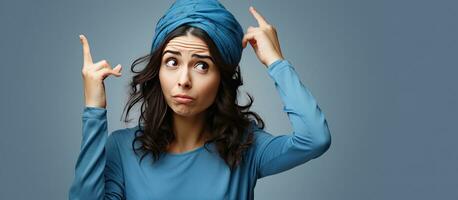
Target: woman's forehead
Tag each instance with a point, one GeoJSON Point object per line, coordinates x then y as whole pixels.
{"type": "Point", "coordinates": [187, 43]}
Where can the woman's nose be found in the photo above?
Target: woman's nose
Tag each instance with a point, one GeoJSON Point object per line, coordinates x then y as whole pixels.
{"type": "Point", "coordinates": [184, 78]}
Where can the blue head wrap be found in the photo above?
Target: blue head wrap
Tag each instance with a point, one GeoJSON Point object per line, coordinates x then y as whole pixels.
{"type": "Point", "coordinates": [209, 15]}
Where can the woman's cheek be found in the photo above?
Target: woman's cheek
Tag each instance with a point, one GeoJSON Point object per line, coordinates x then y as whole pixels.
{"type": "Point", "coordinates": [211, 89]}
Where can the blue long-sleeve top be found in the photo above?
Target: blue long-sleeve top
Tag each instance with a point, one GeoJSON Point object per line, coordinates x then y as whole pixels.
{"type": "Point", "coordinates": [108, 168]}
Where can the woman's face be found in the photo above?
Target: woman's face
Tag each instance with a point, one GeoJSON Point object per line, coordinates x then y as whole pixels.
{"type": "Point", "coordinates": [187, 69]}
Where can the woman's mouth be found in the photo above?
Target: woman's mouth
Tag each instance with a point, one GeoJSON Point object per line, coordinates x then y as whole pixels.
{"type": "Point", "coordinates": [181, 99]}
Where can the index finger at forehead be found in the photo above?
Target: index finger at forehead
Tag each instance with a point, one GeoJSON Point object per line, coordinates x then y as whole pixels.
{"type": "Point", "coordinates": [86, 50]}
{"type": "Point", "coordinates": [261, 20]}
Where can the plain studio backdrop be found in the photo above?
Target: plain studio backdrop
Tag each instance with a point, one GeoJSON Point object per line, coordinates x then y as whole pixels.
{"type": "Point", "coordinates": [383, 72]}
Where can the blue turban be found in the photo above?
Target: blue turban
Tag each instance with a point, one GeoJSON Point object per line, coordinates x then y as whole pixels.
{"type": "Point", "coordinates": [209, 15]}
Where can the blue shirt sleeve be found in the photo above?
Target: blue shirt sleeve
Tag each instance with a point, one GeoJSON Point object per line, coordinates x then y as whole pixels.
{"type": "Point", "coordinates": [98, 170]}
{"type": "Point", "coordinates": [310, 137]}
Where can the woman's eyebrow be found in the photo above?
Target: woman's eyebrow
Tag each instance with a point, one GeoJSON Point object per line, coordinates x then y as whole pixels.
{"type": "Point", "coordinates": [193, 55]}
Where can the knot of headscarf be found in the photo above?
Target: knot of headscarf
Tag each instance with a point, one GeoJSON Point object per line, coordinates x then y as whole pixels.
{"type": "Point", "coordinates": [209, 15]}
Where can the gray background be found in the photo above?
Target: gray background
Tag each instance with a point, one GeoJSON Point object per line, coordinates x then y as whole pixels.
{"type": "Point", "coordinates": [383, 72]}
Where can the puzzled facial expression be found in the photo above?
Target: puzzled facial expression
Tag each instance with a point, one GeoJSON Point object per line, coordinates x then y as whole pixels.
{"type": "Point", "coordinates": [187, 69]}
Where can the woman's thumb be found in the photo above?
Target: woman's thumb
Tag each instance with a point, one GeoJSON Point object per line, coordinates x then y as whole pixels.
{"type": "Point", "coordinates": [117, 70]}
{"type": "Point", "coordinates": [105, 72]}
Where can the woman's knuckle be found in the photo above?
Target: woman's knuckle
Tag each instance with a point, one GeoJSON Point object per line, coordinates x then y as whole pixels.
{"type": "Point", "coordinates": [270, 27]}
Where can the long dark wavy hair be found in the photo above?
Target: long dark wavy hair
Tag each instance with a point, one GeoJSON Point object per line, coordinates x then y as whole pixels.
{"type": "Point", "coordinates": [228, 122]}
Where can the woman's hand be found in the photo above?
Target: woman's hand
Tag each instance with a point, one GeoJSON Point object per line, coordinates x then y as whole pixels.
{"type": "Point", "coordinates": [263, 39]}
{"type": "Point", "coordinates": [93, 76]}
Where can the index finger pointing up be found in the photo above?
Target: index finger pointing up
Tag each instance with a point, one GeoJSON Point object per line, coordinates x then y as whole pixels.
{"type": "Point", "coordinates": [259, 17]}
{"type": "Point", "coordinates": [86, 51]}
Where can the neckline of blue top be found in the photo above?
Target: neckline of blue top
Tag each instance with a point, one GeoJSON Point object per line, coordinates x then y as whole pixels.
{"type": "Point", "coordinates": [192, 151]}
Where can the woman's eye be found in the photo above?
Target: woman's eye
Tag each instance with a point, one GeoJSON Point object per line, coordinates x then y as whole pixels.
{"type": "Point", "coordinates": [202, 65]}
{"type": "Point", "coordinates": [171, 62]}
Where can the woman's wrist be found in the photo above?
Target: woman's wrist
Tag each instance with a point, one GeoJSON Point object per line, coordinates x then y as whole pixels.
{"type": "Point", "coordinates": [271, 61]}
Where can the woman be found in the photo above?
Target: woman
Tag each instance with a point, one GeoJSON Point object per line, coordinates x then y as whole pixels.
{"type": "Point", "coordinates": [201, 143]}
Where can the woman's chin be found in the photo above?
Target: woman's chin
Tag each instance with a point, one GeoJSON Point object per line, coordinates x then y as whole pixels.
{"type": "Point", "coordinates": [183, 111]}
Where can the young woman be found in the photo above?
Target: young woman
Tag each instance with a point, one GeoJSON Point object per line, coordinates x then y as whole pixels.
{"type": "Point", "coordinates": [193, 141]}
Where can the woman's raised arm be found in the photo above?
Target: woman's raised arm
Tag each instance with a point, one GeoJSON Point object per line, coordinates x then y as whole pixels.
{"type": "Point", "coordinates": [311, 137]}
{"type": "Point", "coordinates": [98, 171]}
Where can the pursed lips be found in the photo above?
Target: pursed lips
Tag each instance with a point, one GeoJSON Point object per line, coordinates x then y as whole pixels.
{"type": "Point", "coordinates": [183, 98]}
